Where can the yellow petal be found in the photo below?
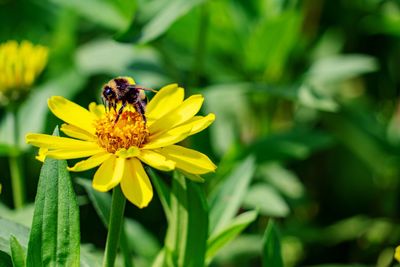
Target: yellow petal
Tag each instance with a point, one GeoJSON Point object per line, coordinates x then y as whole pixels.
{"type": "Point", "coordinates": [168, 98]}
{"type": "Point", "coordinates": [72, 153]}
{"type": "Point", "coordinates": [135, 184]}
{"type": "Point", "coordinates": [168, 138]}
{"type": "Point", "coordinates": [56, 142]}
{"type": "Point", "coordinates": [76, 132]}
{"type": "Point", "coordinates": [97, 110]}
{"type": "Point", "coordinates": [156, 160]}
{"type": "Point", "coordinates": [195, 124]}
{"type": "Point", "coordinates": [131, 152]}
{"type": "Point", "coordinates": [397, 253]}
{"type": "Point", "coordinates": [42, 154]}
{"type": "Point", "coordinates": [199, 123]}
{"type": "Point", "coordinates": [72, 113]}
{"type": "Point", "coordinates": [109, 174]}
{"type": "Point", "coordinates": [188, 160]}
{"type": "Point", "coordinates": [91, 162]}
{"type": "Point", "coordinates": [179, 115]}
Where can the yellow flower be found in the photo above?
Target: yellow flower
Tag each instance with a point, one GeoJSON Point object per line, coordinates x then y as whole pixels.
{"type": "Point", "coordinates": [397, 254]}
{"type": "Point", "coordinates": [120, 147]}
{"type": "Point", "coordinates": [20, 64]}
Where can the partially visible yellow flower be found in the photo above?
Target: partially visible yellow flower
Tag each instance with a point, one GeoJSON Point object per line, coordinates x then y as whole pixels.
{"type": "Point", "coordinates": [119, 148]}
{"type": "Point", "coordinates": [397, 254]}
{"type": "Point", "coordinates": [20, 64]}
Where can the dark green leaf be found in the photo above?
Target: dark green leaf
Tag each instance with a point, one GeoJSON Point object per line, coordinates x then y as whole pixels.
{"type": "Point", "coordinates": [162, 190]}
{"type": "Point", "coordinates": [188, 224]}
{"type": "Point", "coordinates": [226, 200]}
{"type": "Point", "coordinates": [271, 254]}
{"type": "Point", "coordinates": [5, 260]}
{"type": "Point", "coordinates": [227, 234]}
{"type": "Point", "coordinates": [55, 234]}
{"type": "Point", "coordinates": [17, 253]}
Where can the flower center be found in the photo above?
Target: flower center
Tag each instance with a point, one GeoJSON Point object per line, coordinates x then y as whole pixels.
{"type": "Point", "coordinates": [129, 131]}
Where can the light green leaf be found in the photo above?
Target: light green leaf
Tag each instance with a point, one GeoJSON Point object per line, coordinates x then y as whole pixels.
{"type": "Point", "coordinates": [227, 234]}
{"type": "Point", "coordinates": [162, 19]}
{"type": "Point", "coordinates": [226, 200]}
{"type": "Point", "coordinates": [282, 179]}
{"type": "Point", "coordinates": [188, 225]}
{"type": "Point", "coordinates": [341, 67]}
{"type": "Point", "coordinates": [244, 247]}
{"type": "Point", "coordinates": [8, 228]}
{"type": "Point", "coordinates": [265, 199]}
{"type": "Point", "coordinates": [115, 15]}
{"type": "Point", "coordinates": [17, 252]}
{"type": "Point", "coordinates": [271, 255]}
{"type": "Point", "coordinates": [55, 234]}
{"type": "Point", "coordinates": [21, 216]}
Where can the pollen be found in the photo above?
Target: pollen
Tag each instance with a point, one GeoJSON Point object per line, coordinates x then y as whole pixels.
{"type": "Point", "coordinates": [129, 131]}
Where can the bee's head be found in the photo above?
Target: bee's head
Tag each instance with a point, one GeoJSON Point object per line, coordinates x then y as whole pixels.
{"type": "Point", "coordinates": [108, 93]}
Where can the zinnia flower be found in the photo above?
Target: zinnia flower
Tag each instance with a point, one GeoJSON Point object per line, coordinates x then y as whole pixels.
{"type": "Point", "coordinates": [20, 64]}
{"type": "Point", "coordinates": [120, 147]}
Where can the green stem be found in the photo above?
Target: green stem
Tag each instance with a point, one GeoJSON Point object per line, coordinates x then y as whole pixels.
{"type": "Point", "coordinates": [200, 46]}
{"type": "Point", "coordinates": [114, 226]}
{"type": "Point", "coordinates": [17, 178]}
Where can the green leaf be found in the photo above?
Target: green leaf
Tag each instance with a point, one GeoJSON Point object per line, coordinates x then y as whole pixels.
{"type": "Point", "coordinates": [17, 253]}
{"type": "Point", "coordinates": [282, 179]}
{"type": "Point", "coordinates": [271, 255]}
{"type": "Point", "coordinates": [55, 234]}
{"type": "Point", "coordinates": [5, 260]}
{"type": "Point", "coordinates": [227, 234]}
{"type": "Point", "coordinates": [226, 200]}
{"type": "Point", "coordinates": [115, 15]}
{"type": "Point", "coordinates": [8, 228]}
{"type": "Point", "coordinates": [22, 215]}
{"type": "Point", "coordinates": [265, 199]}
{"type": "Point", "coordinates": [162, 190]}
{"type": "Point", "coordinates": [188, 224]}
{"type": "Point", "coordinates": [161, 19]}
{"type": "Point", "coordinates": [141, 241]}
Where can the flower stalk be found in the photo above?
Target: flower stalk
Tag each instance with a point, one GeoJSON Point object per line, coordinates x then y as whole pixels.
{"type": "Point", "coordinates": [114, 226]}
{"type": "Point", "coordinates": [17, 177]}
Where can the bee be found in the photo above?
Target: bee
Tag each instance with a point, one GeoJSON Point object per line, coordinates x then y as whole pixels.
{"type": "Point", "coordinates": [126, 91]}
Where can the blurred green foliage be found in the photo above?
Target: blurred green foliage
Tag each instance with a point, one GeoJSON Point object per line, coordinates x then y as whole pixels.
{"type": "Point", "coordinates": [306, 95]}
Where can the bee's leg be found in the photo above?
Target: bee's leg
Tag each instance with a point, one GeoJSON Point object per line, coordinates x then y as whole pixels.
{"type": "Point", "coordinates": [140, 106]}
{"type": "Point", "coordinates": [120, 111]}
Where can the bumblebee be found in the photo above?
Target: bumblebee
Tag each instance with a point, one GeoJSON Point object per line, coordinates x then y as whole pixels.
{"type": "Point", "coordinates": [124, 90]}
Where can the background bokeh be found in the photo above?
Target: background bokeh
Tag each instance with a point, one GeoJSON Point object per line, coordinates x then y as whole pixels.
{"type": "Point", "coordinates": [306, 95]}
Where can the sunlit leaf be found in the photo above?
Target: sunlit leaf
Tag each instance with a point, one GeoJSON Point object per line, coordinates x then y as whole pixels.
{"type": "Point", "coordinates": [17, 253]}
{"type": "Point", "coordinates": [266, 200]}
{"type": "Point", "coordinates": [226, 200]}
{"type": "Point", "coordinates": [227, 234]}
{"type": "Point", "coordinates": [8, 228]}
{"type": "Point", "coordinates": [115, 15]}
